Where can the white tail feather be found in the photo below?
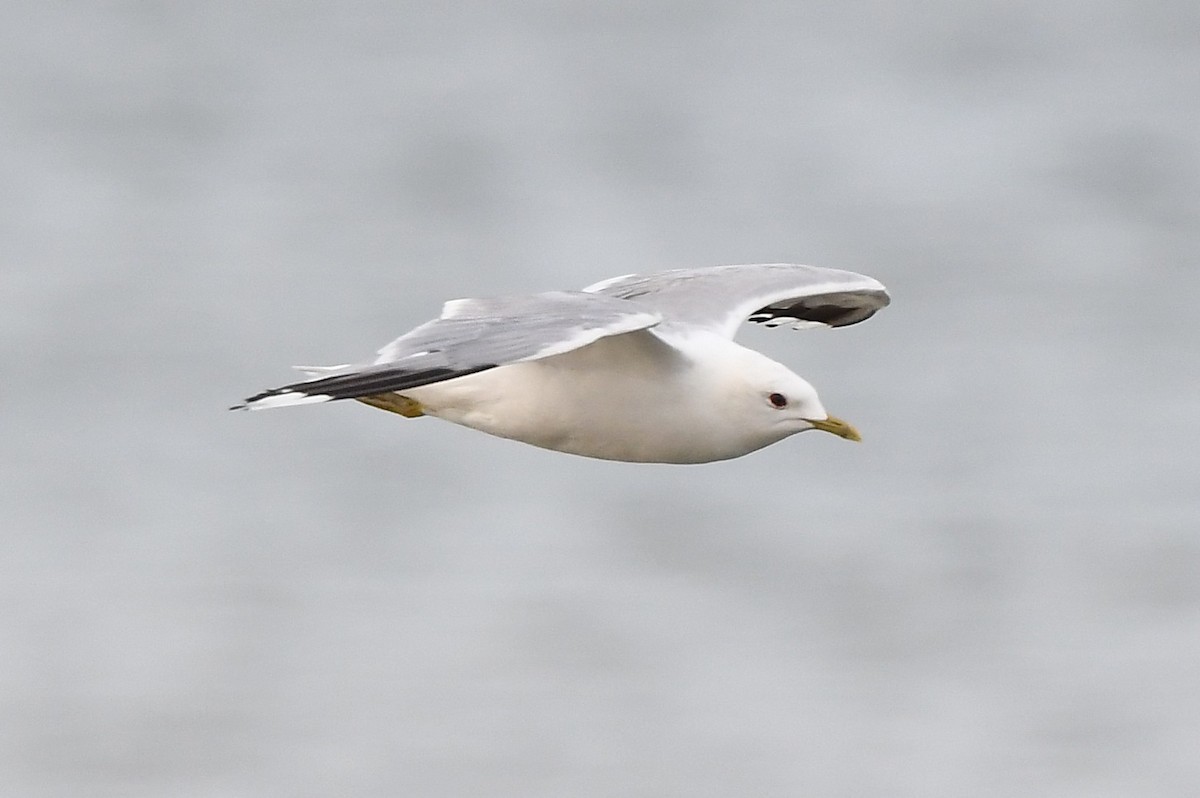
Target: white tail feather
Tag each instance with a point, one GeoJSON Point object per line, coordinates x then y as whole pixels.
{"type": "Point", "coordinates": [286, 400]}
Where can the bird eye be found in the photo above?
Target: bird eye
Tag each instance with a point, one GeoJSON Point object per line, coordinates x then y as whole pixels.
{"type": "Point", "coordinates": [777, 400]}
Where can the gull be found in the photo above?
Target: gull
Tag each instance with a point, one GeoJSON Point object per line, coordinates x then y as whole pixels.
{"type": "Point", "coordinates": [638, 368]}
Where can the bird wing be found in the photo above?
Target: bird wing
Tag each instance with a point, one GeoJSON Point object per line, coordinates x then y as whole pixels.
{"type": "Point", "coordinates": [772, 294]}
{"type": "Point", "coordinates": [470, 336]}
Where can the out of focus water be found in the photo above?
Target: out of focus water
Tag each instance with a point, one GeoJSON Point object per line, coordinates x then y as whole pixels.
{"type": "Point", "coordinates": [996, 594]}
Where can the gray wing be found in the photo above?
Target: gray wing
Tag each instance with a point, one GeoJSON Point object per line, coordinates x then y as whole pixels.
{"type": "Point", "coordinates": [471, 335]}
{"type": "Point", "coordinates": [722, 297]}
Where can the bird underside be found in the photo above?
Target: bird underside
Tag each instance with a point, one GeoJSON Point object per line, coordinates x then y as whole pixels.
{"type": "Point", "coordinates": [394, 403]}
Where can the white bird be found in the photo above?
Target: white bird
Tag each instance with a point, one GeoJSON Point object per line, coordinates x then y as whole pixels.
{"type": "Point", "coordinates": [640, 368]}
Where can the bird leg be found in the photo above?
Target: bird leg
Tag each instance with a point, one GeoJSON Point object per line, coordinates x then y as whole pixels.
{"type": "Point", "coordinates": [393, 403]}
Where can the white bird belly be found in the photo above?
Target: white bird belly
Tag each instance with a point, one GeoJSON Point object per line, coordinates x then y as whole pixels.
{"type": "Point", "coordinates": [638, 401]}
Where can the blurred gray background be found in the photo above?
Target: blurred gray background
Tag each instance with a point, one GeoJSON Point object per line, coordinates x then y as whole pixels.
{"type": "Point", "coordinates": [996, 594]}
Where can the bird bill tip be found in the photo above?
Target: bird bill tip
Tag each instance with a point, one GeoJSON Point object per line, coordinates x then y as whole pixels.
{"type": "Point", "coordinates": [836, 426]}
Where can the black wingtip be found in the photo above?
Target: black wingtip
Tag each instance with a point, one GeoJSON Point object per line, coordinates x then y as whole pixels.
{"type": "Point", "coordinates": [248, 402]}
{"type": "Point", "coordinates": [385, 378]}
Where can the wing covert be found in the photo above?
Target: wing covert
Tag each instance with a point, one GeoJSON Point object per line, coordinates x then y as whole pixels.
{"type": "Point", "coordinates": [773, 294]}
{"type": "Point", "coordinates": [472, 335]}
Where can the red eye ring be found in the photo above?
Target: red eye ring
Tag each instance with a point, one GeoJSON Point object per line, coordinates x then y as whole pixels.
{"type": "Point", "coordinates": [777, 400]}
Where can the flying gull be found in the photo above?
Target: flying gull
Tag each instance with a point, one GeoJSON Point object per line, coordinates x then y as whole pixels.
{"type": "Point", "coordinates": [640, 368]}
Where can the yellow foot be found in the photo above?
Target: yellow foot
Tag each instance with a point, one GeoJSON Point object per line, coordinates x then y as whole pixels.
{"type": "Point", "coordinates": [394, 403]}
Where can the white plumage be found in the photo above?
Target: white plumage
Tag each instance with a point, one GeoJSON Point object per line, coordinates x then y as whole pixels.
{"type": "Point", "coordinates": [637, 368]}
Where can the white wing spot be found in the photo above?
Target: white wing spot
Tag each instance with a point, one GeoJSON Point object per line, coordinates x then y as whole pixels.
{"type": "Point", "coordinates": [287, 400]}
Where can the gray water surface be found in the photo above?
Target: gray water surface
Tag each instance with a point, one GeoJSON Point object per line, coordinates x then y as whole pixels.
{"type": "Point", "coordinates": [996, 594]}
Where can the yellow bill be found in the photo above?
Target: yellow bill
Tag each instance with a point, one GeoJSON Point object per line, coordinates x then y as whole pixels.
{"type": "Point", "coordinates": [837, 427]}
